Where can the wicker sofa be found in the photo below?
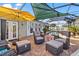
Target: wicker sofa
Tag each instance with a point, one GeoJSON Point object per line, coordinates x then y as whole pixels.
{"type": "Point", "coordinates": [64, 41]}
{"type": "Point", "coordinates": [6, 50]}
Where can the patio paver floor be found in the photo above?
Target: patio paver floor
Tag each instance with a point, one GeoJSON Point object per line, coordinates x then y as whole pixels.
{"type": "Point", "coordinates": [39, 50]}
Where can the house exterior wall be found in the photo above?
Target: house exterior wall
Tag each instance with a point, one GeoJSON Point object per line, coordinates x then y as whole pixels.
{"type": "Point", "coordinates": [25, 28]}
{"type": "Point", "coordinates": [22, 29]}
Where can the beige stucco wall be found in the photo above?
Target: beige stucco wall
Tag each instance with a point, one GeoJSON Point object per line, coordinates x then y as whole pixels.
{"type": "Point", "coordinates": [0, 29]}
{"type": "Point", "coordinates": [22, 29]}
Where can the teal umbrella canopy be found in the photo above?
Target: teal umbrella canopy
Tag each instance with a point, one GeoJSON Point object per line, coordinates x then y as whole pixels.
{"type": "Point", "coordinates": [43, 11]}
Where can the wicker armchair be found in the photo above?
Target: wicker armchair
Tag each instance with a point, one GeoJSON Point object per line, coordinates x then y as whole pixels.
{"type": "Point", "coordinates": [38, 38]}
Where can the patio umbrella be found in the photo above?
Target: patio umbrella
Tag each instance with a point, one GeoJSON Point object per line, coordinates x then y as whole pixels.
{"type": "Point", "coordinates": [15, 15]}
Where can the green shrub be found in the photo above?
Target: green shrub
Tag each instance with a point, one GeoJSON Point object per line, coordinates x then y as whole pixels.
{"type": "Point", "coordinates": [74, 29]}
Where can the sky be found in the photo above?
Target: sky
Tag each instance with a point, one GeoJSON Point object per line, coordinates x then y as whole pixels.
{"type": "Point", "coordinates": [72, 9]}
{"type": "Point", "coordinates": [28, 7]}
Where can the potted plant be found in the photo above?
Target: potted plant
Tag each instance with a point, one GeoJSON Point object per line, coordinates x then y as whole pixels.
{"type": "Point", "coordinates": [45, 29]}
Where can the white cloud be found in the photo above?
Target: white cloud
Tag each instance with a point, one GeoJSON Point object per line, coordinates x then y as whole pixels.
{"type": "Point", "coordinates": [7, 5]}
{"type": "Point", "coordinates": [18, 4]}
{"type": "Point", "coordinates": [15, 8]}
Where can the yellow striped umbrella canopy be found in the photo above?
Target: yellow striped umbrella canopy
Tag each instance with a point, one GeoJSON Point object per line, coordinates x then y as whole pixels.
{"type": "Point", "coordinates": [15, 15]}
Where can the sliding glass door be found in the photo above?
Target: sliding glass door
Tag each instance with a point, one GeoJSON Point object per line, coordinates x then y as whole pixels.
{"type": "Point", "coordinates": [11, 30]}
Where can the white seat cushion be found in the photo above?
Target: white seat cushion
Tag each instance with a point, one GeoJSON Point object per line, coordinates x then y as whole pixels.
{"type": "Point", "coordinates": [39, 38]}
{"type": "Point", "coordinates": [37, 33]}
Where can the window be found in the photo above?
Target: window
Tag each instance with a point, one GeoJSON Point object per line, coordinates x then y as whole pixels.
{"type": "Point", "coordinates": [14, 29]}
{"type": "Point", "coordinates": [7, 30]}
{"type": "Point", "coordinates": [31, 27]}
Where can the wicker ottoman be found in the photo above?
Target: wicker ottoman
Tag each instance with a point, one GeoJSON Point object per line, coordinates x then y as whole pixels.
{"type": "Point", "coordinates": [54, 47]}
{"type": "Point", "coordinates": [23, 46]}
